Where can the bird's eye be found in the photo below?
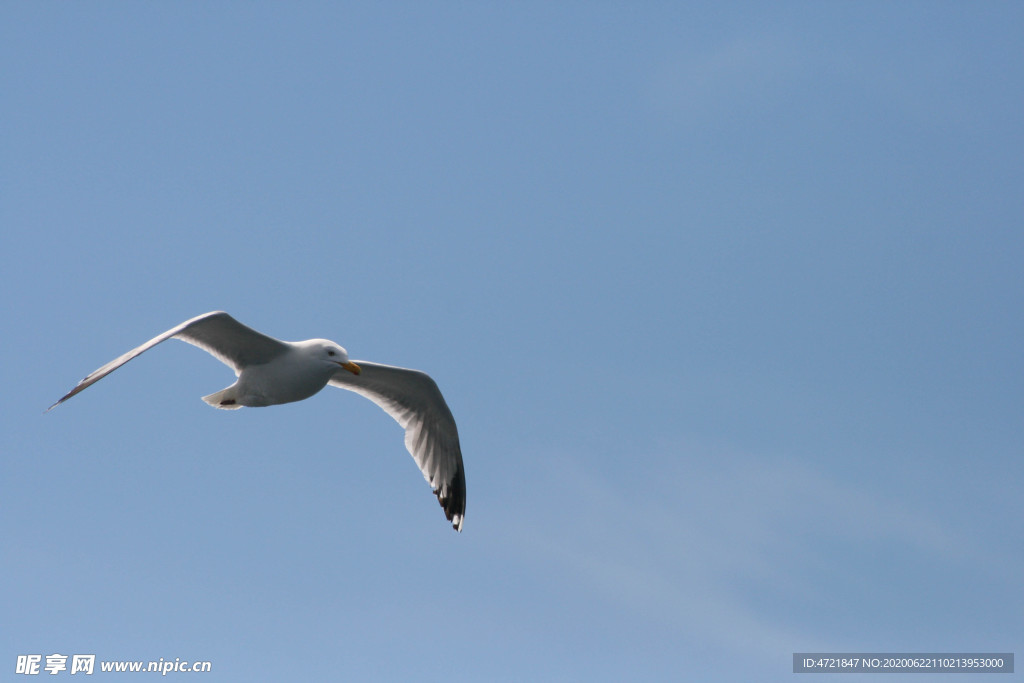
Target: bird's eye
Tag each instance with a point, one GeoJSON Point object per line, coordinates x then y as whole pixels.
{"type": "Point", "coordinates": [330, 352]}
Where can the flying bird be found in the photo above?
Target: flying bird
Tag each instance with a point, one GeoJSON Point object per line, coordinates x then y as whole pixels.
{"type": "Point", "coordinates": [271, 371]}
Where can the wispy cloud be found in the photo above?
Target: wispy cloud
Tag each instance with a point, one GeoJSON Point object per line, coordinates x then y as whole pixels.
{"type": "Point", "coordinates": [738, 72]}
{"type": "Point", "coordinates": [718, 544]}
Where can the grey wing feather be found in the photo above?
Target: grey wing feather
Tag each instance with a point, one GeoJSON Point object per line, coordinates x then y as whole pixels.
{"type": "Point", "coordinates": [228, 340]}
{"type": "Point", "coordinates": [412, 398]}
{"type": "Point", "coordinates": [217, 333]}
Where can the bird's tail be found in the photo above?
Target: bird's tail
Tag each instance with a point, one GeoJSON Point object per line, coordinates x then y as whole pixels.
{"type": "Point", "coordinates": [225, 399]}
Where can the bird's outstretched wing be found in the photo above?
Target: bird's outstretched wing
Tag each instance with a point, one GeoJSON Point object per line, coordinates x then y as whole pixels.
{"type": "Point", "coordinates": [218, 333]}
{"type": "Point", "coordinates": [413, 399]}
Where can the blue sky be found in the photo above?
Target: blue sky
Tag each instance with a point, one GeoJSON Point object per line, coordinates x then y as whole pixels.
{"type": "Point", "coordinates": [726, 300]}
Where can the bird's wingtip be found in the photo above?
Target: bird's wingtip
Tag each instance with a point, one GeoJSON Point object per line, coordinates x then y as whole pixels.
{"type": "Point", "coordinates": [452, 498]}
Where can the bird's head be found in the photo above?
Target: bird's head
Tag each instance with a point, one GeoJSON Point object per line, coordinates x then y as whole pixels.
{"type": "Point", "coordinates": [332, 353]}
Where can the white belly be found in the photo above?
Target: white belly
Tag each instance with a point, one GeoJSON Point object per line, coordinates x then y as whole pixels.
{"type": "Point", "coordinates": [280, 381]}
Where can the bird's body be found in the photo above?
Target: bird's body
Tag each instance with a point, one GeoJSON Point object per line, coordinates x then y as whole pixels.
{"type": "Point", "coordinates": [294, 375]}
{"type": "Point", "coordinates": [271, 371]}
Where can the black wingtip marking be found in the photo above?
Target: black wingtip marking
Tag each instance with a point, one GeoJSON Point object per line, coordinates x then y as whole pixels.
{"type": "Point", "coordinates": [228, 402]}
{"type": "Point", "coordinates": [452, 498]}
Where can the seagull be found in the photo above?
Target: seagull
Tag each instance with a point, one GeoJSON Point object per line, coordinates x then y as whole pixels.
{"type": "Point", "coordinates": [271, 371]}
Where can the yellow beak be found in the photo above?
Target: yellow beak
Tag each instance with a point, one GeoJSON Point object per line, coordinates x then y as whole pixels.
{"type": "Point", "coordinates": [351, 367]}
